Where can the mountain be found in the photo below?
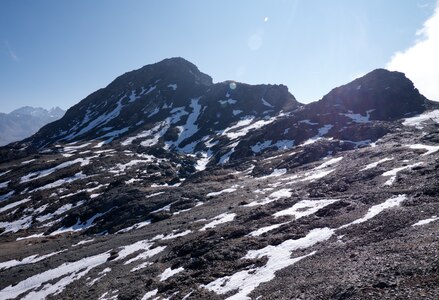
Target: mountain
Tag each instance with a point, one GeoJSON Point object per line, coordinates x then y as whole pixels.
{"type": "Point", "coordinates": [165, 185]}
{"type": "Point", "coordinates": [25, 121]}
{"type": "Point", "coordinates": [164, 100]}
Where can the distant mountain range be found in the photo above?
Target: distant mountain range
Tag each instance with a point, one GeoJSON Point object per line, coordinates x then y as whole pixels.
{"type": "Point", "coordinates": [165, 185]}
{"type": "Point", "coordinates": [25, 121]}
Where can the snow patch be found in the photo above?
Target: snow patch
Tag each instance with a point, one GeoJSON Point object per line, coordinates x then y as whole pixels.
{"type": "Point", "coordinates": [55, 280]}
{"type": "Point", "coordinates": [152, 88]}
{"type": "Point", "coordinates": [119, 168]}
{"type": "Point", "coordinates": [321, 132]}
{"type": "Point", "coordinates": [156, 132]}
{"type": "Point", "coordinates": [277, 195]}
{"type": "Point", "coordinates": [72, 148]}
{"type": "Point", "coordinates": [418, 121]}
{"type": "Point", "coordinates": [33, 236]}
{"type": "Point", "coordinates": [98, 121]}
{"type": "Point", "coordinates": [376, 209]}
{"type": "Point", "coordinates": [266, 103]}
{"type": "Point", "coordinates": [144, 247]}
{"type": "Point", "coordinates": [172, 86]}
{"type": "Point", "coordinates": [305, 208]}
{"type": "Point", "coordinates": [308, 122]}
{"type": "Point", "coordinates": [27, 260]}
{"type": "Point", "coordinates": [426, 221]}
{"type": "Point", "coordinates": [79, 226]}
{"type": "Point", "coordinates": [6, 196]}
{"type": "Point", "coordinates": [244, 126]}
{"type": "Point", "coordinates": [375, 164]}
{"type": "Point", "coordinates": [318, 172]}
{"type": "Point", "coordinates": [14, 204]}
{"type": "Point", "coordinates": [133, 96]}
{"type": "Point", "coordinates": [169, 273]}
{"type": "Point", "coordinates": [358, 118]}
{"type": "Point", "coordinates": [150, 294]}
{"type": "Point", "coordinates": [43, 173]}
{"type": "Point", "coordinates": [280, 145]}
{"type": "Point", "coordinates": [135, 226]}
{"type": "Point", "coordinates": [27, 161]}
{"type": "Point", "coordinates": [358, 144]}
{"type": "Point", "coordinates": [301, 209]}
{"type": "Point", "coordinates": [102, 274]}
{"type": "Point", "coordinates": [164, 208]}
{"type": "Point", "coordinates": [275, 173]}
{"type": "Point", "coordinates": [392, 173]}
{"type": "Point", "coordinates": [16, 225]}
{"type": "Point", "coordinates": [220, 219]}
{"type": "Point", "coordinates": [154, 194]}
{"type": "Point", "coordinates": [329, 163]}
{"type": "Point", "coordinates": [430, 149]}
{"type": "Point", "coordinates": [226, 157]}
{"type": "Point", "coordinates": [5, 172]}
{"type": "Point", "coordinates": [61, 182]}
{"type": "Point", "coordinates": [83, 242]}
{"type": "Point", "coordinates": [203, 160]}
{"type": "Point", "coordinates": [229, 190]}
{"type": "Point", "coordinates": [279, 257]}
{"type": "Point", "coordinates": [228, 101]}
{"type": "Point", "coordinates": [265, 229]}
{"type": "Point", "coordinates": [63, 209]}
{"type": "Point", "coordinates": [189, 129]}
{"type": "Point", "coordinates": [110, 136]}
{"type": "Point", "coordinates": [170, 236]}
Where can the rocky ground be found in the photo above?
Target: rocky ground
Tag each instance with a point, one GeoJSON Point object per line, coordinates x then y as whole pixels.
{"type": "Point", "coordinates": [355, 224]}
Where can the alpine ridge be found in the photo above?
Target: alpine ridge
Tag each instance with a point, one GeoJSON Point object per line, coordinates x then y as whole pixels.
{"type": "Point", "coordinates": [166, 185]}
{"type": "Point", "coordinates": [25, 121]}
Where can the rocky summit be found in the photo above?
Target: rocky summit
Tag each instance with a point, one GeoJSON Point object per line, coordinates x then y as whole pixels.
{"type": "Point", "coordinates": [165, 185]}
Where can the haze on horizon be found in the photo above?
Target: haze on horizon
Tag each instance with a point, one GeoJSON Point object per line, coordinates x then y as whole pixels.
{"type": "Point", "coordinates": [55, 53]}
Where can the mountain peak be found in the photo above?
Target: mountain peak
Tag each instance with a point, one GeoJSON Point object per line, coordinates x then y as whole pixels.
{"type": "Point", "coordinates": [180, 66]}
{"type": "Point", "coordinates": [56, 111]}
{"type": "Point", "coordinates": [175, 70]}
{"type": "Point", "coordinates": [383, 78]}
{"type": "Point", "coordinates": [38, 112]}
{"type": "Point", "coordinates": [176, 61]}
{"type": "Point", "coordinates": [385, 94]}
{"type": "Point", "coordinates": [27, 110]}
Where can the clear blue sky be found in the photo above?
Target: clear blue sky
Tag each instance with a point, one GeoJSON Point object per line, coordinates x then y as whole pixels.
{"type": "Point", "coordinates": [55, 52]}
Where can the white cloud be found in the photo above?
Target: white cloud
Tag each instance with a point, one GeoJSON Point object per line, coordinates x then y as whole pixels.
{"type": "Point", "coordinates": [420, 62]}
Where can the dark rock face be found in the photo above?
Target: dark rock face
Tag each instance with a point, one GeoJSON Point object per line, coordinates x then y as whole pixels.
{"type": "Point", "coordinates": [385, 95]}
{"type": "Point", "coordinates": [225, 190]}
